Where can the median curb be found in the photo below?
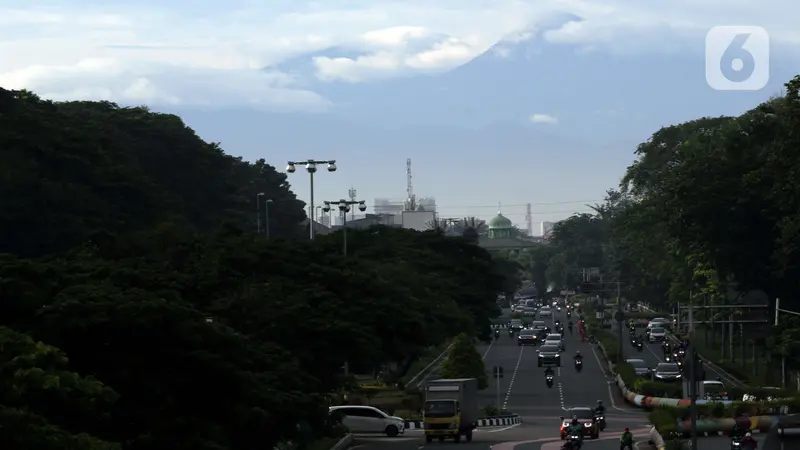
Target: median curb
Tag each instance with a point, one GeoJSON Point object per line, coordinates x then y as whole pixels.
{"type": "Point", "coordinates": [482, 422]}
{"type": "Point", "coordinates": [343, 443]}
{"type": "Point", "coordinates": [656, 440]}
{"type": "Point", "coordinates": [646, 401]}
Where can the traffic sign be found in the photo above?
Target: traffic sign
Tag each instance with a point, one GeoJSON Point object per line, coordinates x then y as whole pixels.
{"type": "Point", "coordinates": [619, 316]}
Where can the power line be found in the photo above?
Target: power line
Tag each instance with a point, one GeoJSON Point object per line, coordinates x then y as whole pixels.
{"type": "Point", "coordinates": [525, 205]}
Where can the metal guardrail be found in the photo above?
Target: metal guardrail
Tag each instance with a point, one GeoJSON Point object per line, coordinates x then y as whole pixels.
{"type": "Point", "coordinates": [426, 371]}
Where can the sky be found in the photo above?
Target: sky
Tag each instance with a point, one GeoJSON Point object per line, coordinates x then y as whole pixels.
{"type": "Point", "coordinates": [206, 55]}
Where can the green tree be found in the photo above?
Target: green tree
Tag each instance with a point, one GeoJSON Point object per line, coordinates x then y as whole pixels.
{"type": "Point", "coordinates": [45, 406]}
{"type": "Point", "coordinates": [464, 361]}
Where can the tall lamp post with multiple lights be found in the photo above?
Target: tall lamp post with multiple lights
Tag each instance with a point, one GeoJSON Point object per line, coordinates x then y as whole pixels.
{"type": "Point", "coordinates": [344, 208]}
{"type": "Point", "coordinates": [258, 212]}
{"type": "Point", "coordinates": [266, 215]}
{"type": "Point", "coordinates": [311, 168]}
{"type": "Point", "coordinates": [266, 212]}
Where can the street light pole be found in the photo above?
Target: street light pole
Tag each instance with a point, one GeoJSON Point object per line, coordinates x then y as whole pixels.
{"type": "Point", "coordinates": [344, 208]}
{"type": "Point", "coordinates": [258, 212]}
{"type": "Point", "coordinates": [266, 215]}
{"type": "Point", "coordinates": [311, 168]}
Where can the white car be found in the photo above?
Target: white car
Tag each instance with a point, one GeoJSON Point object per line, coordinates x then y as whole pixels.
{"type": "Point", "coordinates": [657, 334]}
{"type": "Point", "coordinates": [557, 340]}
{"type": "Point", "coordinates": [659, 322]}
{"type": "Point", "coordinates": [529, 311]}
{"type": "Point", "coordinates": [367, 419]}
{"type": "Point", "coordinates": [545, 312]}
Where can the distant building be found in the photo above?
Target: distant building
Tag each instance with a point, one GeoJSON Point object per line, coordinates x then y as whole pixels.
{"type": "Point", "coordinates": [503, 235]}
{"type": "Point", "coordinates": [547, 228]}
{"type": "Point", "coordinates": [368, 220]}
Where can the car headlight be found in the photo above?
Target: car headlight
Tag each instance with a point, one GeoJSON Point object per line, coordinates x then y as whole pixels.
{"type": "Point", "coordinates": [587, 425]}
{"type": "Point", "coordinates": [556, 355]}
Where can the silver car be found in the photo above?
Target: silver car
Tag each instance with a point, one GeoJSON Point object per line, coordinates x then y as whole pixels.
{"type": "Point", "coordinates": [367, 419]}
{"type": "Point", "coordinates": [667, 372]}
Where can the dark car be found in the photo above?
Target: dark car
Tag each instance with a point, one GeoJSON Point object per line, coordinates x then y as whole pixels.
{"type": "Point", "coordinates": [640, 367]}
{"type": "Point", "coordinates": [585, 416]}
{"type": "Point", "coordinates": [515, 324]}
{"type": "Point", "coordinates": [549, 356]}
{"type": "Point", "coordinates": [667, 372]}
{"type": "Point", "coordinates": [527, 337]}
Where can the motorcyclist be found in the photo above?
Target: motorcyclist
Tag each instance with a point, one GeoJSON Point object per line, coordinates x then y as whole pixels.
{"type": "Point", "coordinates": [600, 409]}
{"type": "Point", "coordinates": [626, 440]}
{"type": "Point", "coordinates": [575, 429]}
{"type": "Point", "coordinates": [569, 325]}
{"type": "Point", "coordinates": [666, 347]}
{"type": "Point", "coordinates": [548, 371]}
{"type": "Point", "coordinates": [496, 334]}
{"type": "Point", "coordinates": [748, 441]}
{"type": "Point", "coordinates": [737, 431]}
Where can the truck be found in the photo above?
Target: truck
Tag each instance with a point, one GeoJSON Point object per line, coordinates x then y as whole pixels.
{"type": "Point", "coordinates": [451, 409]}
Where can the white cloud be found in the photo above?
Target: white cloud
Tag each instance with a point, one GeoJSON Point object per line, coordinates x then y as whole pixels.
{"type": "Point", "coordinates": [189, 52]}
{"type": "Point", "coordinates": [543, 118]}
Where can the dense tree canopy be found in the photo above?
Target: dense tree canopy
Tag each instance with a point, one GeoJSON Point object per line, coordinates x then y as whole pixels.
{"type": "Point", "coordinates": [708, 206]}
{"type": "Point", "coordinates": [139, 310]}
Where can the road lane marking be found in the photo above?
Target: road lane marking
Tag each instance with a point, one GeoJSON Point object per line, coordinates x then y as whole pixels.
{"type": "Point", "coordinates": [513, 377]}
{"type": "Point", "coordinates": [555, 443]}
{"type": "Point", "coordinates": [487, 349]}
{"type": "Point", "coordinates": [561, 390]}
{"type": "Point", "coordinates": [608, 385]}
{"type": "Point", "coordinates": [504, 429]}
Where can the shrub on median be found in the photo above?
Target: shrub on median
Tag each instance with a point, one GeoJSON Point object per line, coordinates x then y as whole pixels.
{"type": "Point", "coordinates": [657, 389]}
{"type": "Point", "coordinates": [627, 373]}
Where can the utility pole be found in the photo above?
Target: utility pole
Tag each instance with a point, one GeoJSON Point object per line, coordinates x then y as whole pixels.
{"type": "Point", "coordinates": [352, 194]}
{"type": "Point", "coordinates": [693, 389]}
{"type": "Point", "coordinates": [778, 310]}
{"type": "Point", "coordinates": [620, 318]}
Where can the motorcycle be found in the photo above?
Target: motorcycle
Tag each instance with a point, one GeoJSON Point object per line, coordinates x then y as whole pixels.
{"type": "Point", "coordinates": [549, 380]}
{"type": "Point", "coordinates": [573, 443]}
{"type": "Point", "coordinates": [511, 332]}
{"type": "Point", "coordinates": [639, 346]}
{"type": "Point", "coordinates": [578, 364]}
{"type": "Point", "coordinates": [600, 418]}
{"type": "Point", "coordinates": [668, 358]}
{"type": "Point", "coordinates": [497, 334]}
{"type": "Point", "coordinates": [569, 314]}
{"type": "Point", "coordinates": [736, 443]}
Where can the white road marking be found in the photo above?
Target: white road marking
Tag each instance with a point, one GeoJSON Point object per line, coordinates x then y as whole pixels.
{"type": "Point", "coordinates": [561, 390]}
{"type": "Point", "coordinates": [513, 377]}
{"type": "Point", "coordinates": [504, 429]}
{"type": "Point", "coordinates": [658, 358]}
{"type": "Point", "coordinates": [610, 393]}
{"type": "Point", "coordinates": [487, 349]}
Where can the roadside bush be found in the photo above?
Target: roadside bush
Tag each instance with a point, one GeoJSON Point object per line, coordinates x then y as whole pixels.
{"type": "Point", "coordinates": [464, 361]}
{"type": "Point", "coordinates": [610, 345]}
{"type": "Point", "coordinates": [664, 419]}
{"type": "Point", "coordinates": [628, 374]}
{"type": "Point", "coordinates": [657, 389]}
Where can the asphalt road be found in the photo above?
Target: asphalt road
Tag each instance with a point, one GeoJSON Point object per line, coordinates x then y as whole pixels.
{"type": "Point", "coordinates": [653, 354]}
{"type": "Point", "coordinates": [523, 391]}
